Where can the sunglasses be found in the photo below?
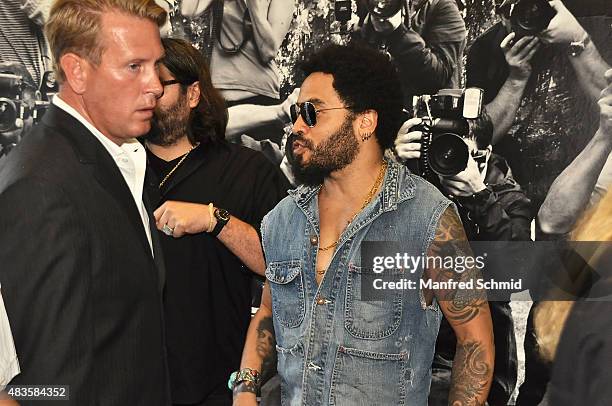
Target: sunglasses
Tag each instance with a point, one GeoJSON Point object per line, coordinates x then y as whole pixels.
{"type": "Point", "coordinates": [308, 112]}
{"type": "Point", "coordinates": [165, 83]}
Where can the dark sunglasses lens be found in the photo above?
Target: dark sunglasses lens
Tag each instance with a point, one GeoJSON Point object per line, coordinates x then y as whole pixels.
{"type": "Point", "coordinates": [293, 112]}
{"type": "Point", "coordinates": [309, 114]}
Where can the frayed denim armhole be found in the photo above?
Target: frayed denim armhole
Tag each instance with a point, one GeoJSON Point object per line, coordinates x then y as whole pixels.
{"type": "Point", "coordinates": [431, 233]}
{"type": "Point", "coordinates": [263, 229]}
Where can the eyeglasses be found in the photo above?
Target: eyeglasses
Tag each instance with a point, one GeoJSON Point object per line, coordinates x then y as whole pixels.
{"type": "Point", "coordinates": [165, 83]}
{"type": "Point", "coordinates": [308, 112]}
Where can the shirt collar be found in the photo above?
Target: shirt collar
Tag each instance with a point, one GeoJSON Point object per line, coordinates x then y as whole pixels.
{"type": "Point", "coordinates": [113, 149]}
{"type": "Point", "coordinates": [397, 187]}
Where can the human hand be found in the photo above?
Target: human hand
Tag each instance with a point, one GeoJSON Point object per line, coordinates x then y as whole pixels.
{"type": "Point", "coordinates": [466, 182]}
{"type": "Point", "coordinates": [182, 218]}
{"type": "Point", "coordinates": [518, 55]}
{"type": "Point", "coordinates": [563, 28]}
{"type": "Point", "coordinates": [407, 143]}
{"type": "Point", "coordinates": [605, 106]}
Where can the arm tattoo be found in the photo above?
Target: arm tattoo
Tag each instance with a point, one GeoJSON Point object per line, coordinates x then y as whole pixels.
{"type": "Point", "coordinates": [463, 305]}
{"type": "Point", "coordinates": [470, 375]}
{"type": "Point", "coordinates": [450, 227]}
{"type": "Point", "coordinates": [266, 348]}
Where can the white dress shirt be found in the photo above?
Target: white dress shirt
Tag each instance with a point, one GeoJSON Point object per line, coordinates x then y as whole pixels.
{"type": "Point", "coordinates": [130, 157]}
{"type": "Point", "coordinates": [9, 365]}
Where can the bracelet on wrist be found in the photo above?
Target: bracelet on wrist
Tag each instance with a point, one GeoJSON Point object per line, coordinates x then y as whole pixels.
{"type": "Point", "coordinates": [249, 377]}
{"type": "Point", "coordinates": [211, 217]}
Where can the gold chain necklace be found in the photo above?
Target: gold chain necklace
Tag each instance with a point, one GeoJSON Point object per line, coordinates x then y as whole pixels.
{"type": "Point", "coordinates": [367, 201]}
{"type": "Point", "coordinates": [176, 166]}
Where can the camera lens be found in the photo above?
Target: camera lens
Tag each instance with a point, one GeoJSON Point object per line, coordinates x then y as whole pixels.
{"type": "Point", "coordinates": [8, 115]}
{"type": "Point", "coordinates": [448, 154]}
{"type": "Point", "coordinates": [529, 18]}
{"type": "Point", "coordinates": [532, 16]}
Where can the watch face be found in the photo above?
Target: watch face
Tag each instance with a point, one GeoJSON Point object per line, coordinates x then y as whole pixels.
{"type": "Point", "coordinates": [222, 214]}
{"type": "Point", "coordinates": [575, 50]}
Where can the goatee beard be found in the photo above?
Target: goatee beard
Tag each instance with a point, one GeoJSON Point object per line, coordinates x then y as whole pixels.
{"type": "Point", "coordinates": [332, 154]}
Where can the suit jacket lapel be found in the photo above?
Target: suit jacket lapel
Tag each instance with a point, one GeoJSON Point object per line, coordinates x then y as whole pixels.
{"type": "Point", "coordinates": [151, 198]}
{"type": "Point", "coordinates": [91, 153]}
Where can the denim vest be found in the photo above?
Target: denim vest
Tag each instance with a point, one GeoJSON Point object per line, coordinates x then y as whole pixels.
{"type": "Point", "coordinates": [334, 348]}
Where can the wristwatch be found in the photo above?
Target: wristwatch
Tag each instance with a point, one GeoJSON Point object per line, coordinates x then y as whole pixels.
{"type": "Point", "coordinates": [577, 47]}
{"type": "Point", "coordinates": [222, 217]}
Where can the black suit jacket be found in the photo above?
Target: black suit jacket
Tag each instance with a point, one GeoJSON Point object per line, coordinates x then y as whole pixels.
{"type": "Point", "coordinates": [82, 289]}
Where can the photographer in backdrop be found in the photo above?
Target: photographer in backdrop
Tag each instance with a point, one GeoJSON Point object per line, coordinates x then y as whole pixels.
{"type": "Point", "coordinates": [525, 63]}
{"type": "Point", "coordinates": [492, 207]}
{"type": "Point", "coordinates": [425, 39]}
{"type": "Point", "coordinates": [537, 56]}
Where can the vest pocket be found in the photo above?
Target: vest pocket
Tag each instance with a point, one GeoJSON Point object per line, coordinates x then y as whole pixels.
{"type": "Point", "coordinates": [369, 378]}
{"type": "Point", "coordinates": [287, 288]}
{"type": "Point", "coordinates": [370, 319]}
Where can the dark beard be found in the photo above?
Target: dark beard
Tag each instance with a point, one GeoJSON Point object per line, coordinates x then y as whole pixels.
{"type": "Point", "coordinates": [170, 125]}
{"type": "Point", "coordinates": [331, 155]}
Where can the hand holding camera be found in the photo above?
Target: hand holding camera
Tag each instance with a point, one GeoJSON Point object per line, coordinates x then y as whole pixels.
{"type": "Point", "coordinates": [563, 28]}
{"type": "Point", "coordinates": [518, 55]}
{"type": "Point", "coordinates": [440, 142]}
{"type": "Point", "coordinates": [466, 183]}
{"type": "Point", "coordinates": [408, 143]}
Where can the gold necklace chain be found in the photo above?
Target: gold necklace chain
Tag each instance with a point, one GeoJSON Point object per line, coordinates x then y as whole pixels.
{"type": "Point", "coordinates": [176, 166]}
{"type": "Point", "coordinates": [367, 201]}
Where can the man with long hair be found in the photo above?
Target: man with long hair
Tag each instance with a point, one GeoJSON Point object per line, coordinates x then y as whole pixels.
{"type": "Point", "coordinates": [213, 195]}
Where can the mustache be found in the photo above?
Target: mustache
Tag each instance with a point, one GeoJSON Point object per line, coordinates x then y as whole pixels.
{"type": "Point", "coordinates": [299, 137]}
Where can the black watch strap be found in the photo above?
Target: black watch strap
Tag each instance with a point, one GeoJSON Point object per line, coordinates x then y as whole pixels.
{"type": "Point", "coordinates": [222, 217]}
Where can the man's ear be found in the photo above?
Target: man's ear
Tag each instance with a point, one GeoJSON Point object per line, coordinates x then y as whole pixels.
{"type": "Point", "coordinates": [76, 69]}
{"type": "Point", "coordinates": [369, 121]}
{"type": "Point", "coordinates": [193, 94]}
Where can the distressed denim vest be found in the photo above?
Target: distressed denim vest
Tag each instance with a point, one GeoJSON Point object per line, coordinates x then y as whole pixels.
{"type": "Point", "coordinates": [333, 348]}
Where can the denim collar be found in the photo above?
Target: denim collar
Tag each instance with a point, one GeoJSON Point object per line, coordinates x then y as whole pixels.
{"type": "Point", "coordinates": [398, 186]}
